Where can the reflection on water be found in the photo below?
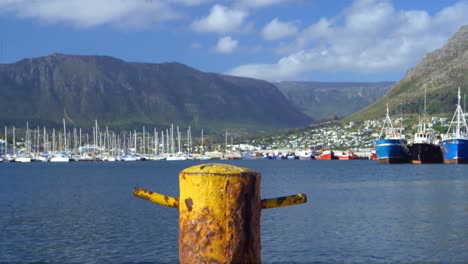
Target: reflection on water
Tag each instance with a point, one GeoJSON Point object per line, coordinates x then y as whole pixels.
{"type": "Point", "coordinates": [357, 211]}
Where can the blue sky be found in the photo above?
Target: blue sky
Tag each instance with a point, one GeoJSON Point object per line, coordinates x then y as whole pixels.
{"type": "Point", "coordinates": [312, 40]}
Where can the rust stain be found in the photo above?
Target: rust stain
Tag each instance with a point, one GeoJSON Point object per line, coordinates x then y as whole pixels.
{"type": "Point", "coordinates": [189, 203]}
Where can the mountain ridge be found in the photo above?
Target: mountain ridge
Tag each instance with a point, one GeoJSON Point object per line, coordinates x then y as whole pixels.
{"type": "Point", "coordinates": [128, 94]}
{"type": "Point", "coordinates": [323, 100]}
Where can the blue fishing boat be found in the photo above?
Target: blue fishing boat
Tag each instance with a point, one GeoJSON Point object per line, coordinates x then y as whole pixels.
{"type": "Point", "coordinates": [391, 147]}
{"type": "Point", "coordinates": [455, 141]}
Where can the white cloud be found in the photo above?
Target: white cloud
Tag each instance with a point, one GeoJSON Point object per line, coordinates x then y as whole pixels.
{"type": "Point", "coordinates": [258, 3]}
{"type": "Point", "coordinates": [278, 30]}
{"type": "Point", "coordinates": [220, 20]}
{"type": "Point", "coordinates": [226, 45]}
{"type": "Point", "coordinates": [191, 2]}
{"type": "Point", "coordinates": [88, 13]}
{"type": "Point", "coordinates": [368, 37]}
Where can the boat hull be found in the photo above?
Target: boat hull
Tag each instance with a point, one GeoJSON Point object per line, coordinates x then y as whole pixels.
{"type": "Point", "coordinates": [392, 151]}
{"type": "Point", "coordinates": [59, 159]}
{"type": "Point", "coordinates": [455, 150]}
{"type": "Point", "coordinates": [425, 153]}
{"type": "Point", "coordinates": [325, 156]}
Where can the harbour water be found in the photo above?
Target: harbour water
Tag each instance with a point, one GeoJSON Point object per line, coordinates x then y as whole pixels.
{"type": "Point", "coordinates": [357, 211]}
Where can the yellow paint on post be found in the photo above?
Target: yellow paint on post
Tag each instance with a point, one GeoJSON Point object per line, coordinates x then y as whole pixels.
{"type": "Point", "coordinates": [219, 218]}
{"type": "Point", "coordinates": [156, 197]}
{"type": "Point", "coordinates": [284, 201]}
{"type": "Point", "coordinates": [219, 213]}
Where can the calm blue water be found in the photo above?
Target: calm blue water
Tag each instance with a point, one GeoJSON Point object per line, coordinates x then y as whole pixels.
{"type": "Point", "coordinates": [358, 211]}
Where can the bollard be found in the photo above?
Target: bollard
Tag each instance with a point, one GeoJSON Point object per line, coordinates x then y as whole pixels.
{"type": "Point", "coordinates": [219, 213]}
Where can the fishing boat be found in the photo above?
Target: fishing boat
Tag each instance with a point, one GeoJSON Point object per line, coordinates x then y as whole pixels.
{"type": "Point", "coordinates": [304, 155]}
{"type": "Point", "coordinates": [424, 148]}
{"type": "Point", "coordinates": [391, 147]}
{"type": "Point", "coordinates": [325, 154]}
{"type": "Point", "coordinates": [455, 142]}
{"type": "Point", "coordinates": [347, 156]}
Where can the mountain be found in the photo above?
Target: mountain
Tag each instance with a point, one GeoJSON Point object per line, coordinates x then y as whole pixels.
{"type": "Point", "coordinates": [441, 72]}
{"type": "Point", "coordinates": [128, 95]}
{"type": "Point", "coordinates": [324, 100]}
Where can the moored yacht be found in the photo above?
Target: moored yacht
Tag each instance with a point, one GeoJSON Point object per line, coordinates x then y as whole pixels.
{"type": "Point", "coordinates": [60, 157]}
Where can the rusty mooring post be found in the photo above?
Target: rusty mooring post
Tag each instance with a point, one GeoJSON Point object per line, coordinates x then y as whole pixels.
{"type": "Point", "coordinates": [219, 213]}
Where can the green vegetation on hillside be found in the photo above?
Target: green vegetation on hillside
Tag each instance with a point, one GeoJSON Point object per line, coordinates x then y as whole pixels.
{"type": "Point", "coordinates": [440, 73]}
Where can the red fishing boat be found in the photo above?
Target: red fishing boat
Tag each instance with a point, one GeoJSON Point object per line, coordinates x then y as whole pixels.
{"type": "Point", "coordinates": [325, 154]}
{"type": "Point", "coordinates": [347, 156]}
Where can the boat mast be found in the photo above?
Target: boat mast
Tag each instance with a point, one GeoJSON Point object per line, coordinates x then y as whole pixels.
{"type": "Point", "coordinates": [163, 146]}
{"type": "Point", "coordinates": [225, 144]}
{"type": "Point", "coordinates": [143, 151]}
{"type": "Point", "coordinates": [424, 113]}
{"type": "Point", "coordinates": [64, 136]}
{"type": "Point", "coordinates": [458, 113]}
{"type": "Point", "coordinates": [14, 141]}
{"type": "Point", "coordinates": [155, 142]}
{"type": "Point", "coordinates": [178, 140]}
{"type": "Point", "coordinates": [389, 130]}
{"type": "Point", "coordinates": [6, 140]}
{"type": "Point", "coordinates": [202, 148]}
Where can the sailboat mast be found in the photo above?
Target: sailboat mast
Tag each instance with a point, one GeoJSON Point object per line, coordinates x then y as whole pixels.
{"type": "Point", "coordinates": [27, 137]}
{"type": "Point", "coordinates": [6, 140]}
{"type": "Point", "coordinates": [202, 148]}
{"type": "Point", "coordinates": [163, 149]}
{"type": "Point", "coordinates": [64, 136]}
{"type": "Point", "coordinates": [178, 140]}
{"type": "Point", "coordinates": [14, 141]}
{"type": "Point", "coordinates": [155, 142]}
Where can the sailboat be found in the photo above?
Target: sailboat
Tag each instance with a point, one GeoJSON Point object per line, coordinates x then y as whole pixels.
{"type": "Point", "coordinates": [455, 141]}
{"type": "Point", "coordinates": [424, 148]}
{"type": "Point", "coordinates": [179, 156]}
{"type": "Point", "coordinates": [391, 147]}
{"type": "Point", "coordinates": [203, 156]}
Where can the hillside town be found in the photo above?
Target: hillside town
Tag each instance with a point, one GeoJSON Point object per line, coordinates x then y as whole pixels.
{"type": "Point", "coordinates": [358, 137]}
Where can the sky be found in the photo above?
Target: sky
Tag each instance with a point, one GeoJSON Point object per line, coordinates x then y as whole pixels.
{"type": "Point", "coordinates": [275, 40]}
